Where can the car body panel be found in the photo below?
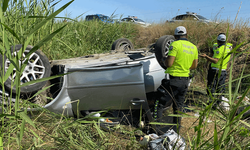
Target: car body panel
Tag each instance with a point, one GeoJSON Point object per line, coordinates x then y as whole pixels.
{"type": "Point", "coordinates": [106, 87]}
{"type": "Point", "coordinates": [153, 72]}
{"type": "Point", "coordinates": [62, 104]}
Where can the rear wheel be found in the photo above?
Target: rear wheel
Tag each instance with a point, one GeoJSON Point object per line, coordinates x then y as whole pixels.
{"type": "Point", "coordinates": [122, 44]}
{"type": "Point", "coordinates": [162, 48]}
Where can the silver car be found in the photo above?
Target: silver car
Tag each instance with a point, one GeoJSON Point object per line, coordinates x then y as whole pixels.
{"type": "Point", "coordinates": [136, 20]}
{"type": "Point", "coordinates": [190, 16]}
{"type": "Point", "coordinates": [124, 79]}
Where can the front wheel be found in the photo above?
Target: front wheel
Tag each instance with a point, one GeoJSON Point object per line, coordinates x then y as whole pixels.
{"type": "Point", "coordinates": [162, 48]}
{"type": "Point", "coordinates": [38, 67]}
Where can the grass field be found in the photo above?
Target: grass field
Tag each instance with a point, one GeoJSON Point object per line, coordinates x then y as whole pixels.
{"type": "Point", "coordinates": [60, 39]}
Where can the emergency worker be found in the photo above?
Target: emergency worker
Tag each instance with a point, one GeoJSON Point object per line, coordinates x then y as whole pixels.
{"type": "Point", "coordinates": [182, 56]}
{"type": "Point", "coordinates": [216, 83]}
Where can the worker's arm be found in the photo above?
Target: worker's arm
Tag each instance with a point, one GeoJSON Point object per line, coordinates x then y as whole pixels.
{"type": "Point", "coordinates": [213, 60]}
{"type": "Point", "coordinates": [168, 61]}
{"type": "Point", "coordinates": [194, 64]}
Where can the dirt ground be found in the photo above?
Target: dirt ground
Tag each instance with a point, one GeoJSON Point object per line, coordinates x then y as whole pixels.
{"type": "Point", "coordinates": [188, 132]}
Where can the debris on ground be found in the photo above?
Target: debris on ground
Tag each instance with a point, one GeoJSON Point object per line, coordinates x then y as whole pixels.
{"type": "Point", "coordinates": [169, 140]}
{"type": "Point", "coordinates": [107, 120]}
{"type": "Point", "coordinates": [205, 119]}
{"type": "Point", "coordinates": [224, 103]}
{"type": "Point", "coordinates": [245, 100]}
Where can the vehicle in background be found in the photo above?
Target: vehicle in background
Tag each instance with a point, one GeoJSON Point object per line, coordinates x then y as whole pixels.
{"type": "Point", "coordinates": [99, 17]}
{"type": "Point", "coordinates": [190, 16]}
{"type": "Point", "coordinates": [135, 20]}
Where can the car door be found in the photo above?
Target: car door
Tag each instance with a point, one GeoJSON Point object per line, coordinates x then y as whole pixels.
{"type": "Point", "coordinates": [107, 87]}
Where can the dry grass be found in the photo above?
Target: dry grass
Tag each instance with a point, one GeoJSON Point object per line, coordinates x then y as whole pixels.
{"type": "Point", "coordinates": [188, 131]}
{"type": "Point", "coordinates": [202, 35]}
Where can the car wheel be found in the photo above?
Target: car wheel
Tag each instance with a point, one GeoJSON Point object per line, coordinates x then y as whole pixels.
{"type": "Point", "coordinates": [122, 44]}
{"type": "Point", "coordinates": [38, 67]}
{"type": "Point", "coordinates": [162, 48]}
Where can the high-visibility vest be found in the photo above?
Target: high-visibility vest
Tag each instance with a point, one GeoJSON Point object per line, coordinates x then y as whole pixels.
{"type": "Point", "coordinates": [185, 53]}
{"type": "Point", "coordinates": [221, 53]}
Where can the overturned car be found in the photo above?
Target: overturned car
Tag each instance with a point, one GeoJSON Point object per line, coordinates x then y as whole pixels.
{"type": "Point", "coordinates": [123, 80]}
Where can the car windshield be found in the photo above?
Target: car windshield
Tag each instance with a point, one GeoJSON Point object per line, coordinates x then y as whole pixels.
{"type": "Point", "coordinates": [104, 18]}
{"type": "Point", "coordinates": [201, 17]}
{"type": "Point", "coordinates": [138, 20]}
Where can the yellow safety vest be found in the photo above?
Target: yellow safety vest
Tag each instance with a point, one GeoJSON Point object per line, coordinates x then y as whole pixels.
{"type": "Point", "coordinates": [221, 53]}
{"type": "Point", "coordinates": [185, 53]}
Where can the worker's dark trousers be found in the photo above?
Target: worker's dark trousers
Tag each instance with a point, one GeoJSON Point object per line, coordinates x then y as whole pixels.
{"type": "Point", "coordinates": [216, 83]}
{"type": "Point", "coordinates": [176, 91]}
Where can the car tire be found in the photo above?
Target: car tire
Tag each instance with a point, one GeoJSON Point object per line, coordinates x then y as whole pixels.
{"type": "Point", "coordinates": [162, 48]}
{"type": "Point", "coordinates": [39, 67]}
{"type": "Point", "coordinates": [122, 44]}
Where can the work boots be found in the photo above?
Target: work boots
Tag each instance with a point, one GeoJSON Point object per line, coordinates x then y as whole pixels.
{"type": "Point", "coordinates": [158, 110]}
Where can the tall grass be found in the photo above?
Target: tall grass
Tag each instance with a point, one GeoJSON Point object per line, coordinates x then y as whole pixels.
{"type": "Point", "coordinates": [226, 123]}
{"type": "Point", "coordinates": [86, 37]}
{"type": "Point", "coordinates": [35, 24]}
{"type": "Point", "coordinates": [18, 27]}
